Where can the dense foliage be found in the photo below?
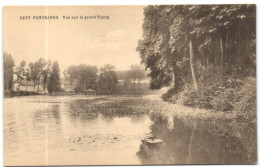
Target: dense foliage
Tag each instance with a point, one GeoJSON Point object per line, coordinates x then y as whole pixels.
{"type": "Point", "coordinates": [84, 75]}
{"type": "Point", "coordinates": [54, 84]}
{"type": "Point", "coordinates": [189, 43]}
{"type": "Point", "coordinates": [107, 80]}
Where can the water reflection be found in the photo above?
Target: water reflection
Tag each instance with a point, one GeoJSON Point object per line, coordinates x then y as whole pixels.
{"type": "Point", "coordinates": [81, 110]}
{"type": "Point", "coordinates": [65, 132]}
{"type": "Point", "coordinates": [185, 141]}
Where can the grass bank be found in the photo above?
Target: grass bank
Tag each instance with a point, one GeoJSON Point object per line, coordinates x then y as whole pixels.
{"type": "Point", "coordinates": [219, 94]}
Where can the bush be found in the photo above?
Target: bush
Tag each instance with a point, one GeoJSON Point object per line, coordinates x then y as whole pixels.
{"type": "Point", "coordinates": [23, 93]}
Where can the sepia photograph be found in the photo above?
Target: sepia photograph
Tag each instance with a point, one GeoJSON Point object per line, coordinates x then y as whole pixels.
{"type": "Point", "coordinates": [129, 85]}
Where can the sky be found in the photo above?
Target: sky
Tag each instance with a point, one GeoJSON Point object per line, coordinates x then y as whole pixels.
{"type": "Point", "coordinates": [74, 41]}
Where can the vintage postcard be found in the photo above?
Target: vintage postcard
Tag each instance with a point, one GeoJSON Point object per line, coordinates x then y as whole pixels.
{"type": "Point", "coordinates": [129, 85]}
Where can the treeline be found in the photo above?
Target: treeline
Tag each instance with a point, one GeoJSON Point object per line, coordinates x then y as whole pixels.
{"type": "Point", "coordinates": [41, 73]}
{"type": "Point", "coordinates": [190, 43]}
{"type": "Point", "coordinates": [106, 80]}
{"type": "Point", "coordinates": [81, 77]}
{"type": "Point", "coordinates": [205, 54]}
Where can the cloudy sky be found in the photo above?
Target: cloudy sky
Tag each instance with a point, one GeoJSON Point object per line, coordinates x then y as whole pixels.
{"type": "Point", "coordinates": [74, 41]}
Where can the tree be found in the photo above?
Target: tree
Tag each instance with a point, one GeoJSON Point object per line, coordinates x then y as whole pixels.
{"type": "Point", "coordinates": [20, 70]}
{"type": "Point", "coordinates": [46, 75]}
{"type": "Point", "coordinates": [33, 73]}
{"type": "Point", "coordinates": [39, 67]}
{"type": "Point", "coordinates": [36, 70]}
{"type": "Point", "coordinates": [181, 43]}
{"type": "Point", "coordinates": [27, 76]}
{"type": "Point", "coordinates": [54, 85]}
{"type": "Point", "coordinates": [192, 67]}
{"type": "Point", "coordinates": [155, 50]}
{"type": "Point", "coordinates": [8, 71]}
{"type": "Point", "coordinates": [107, 80]}
{"type": "Point", "coordinates": [72, 73]}
{"type": "Point", "coordinates": [85, 76]}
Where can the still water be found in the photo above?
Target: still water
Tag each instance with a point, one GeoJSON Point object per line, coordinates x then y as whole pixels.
{"type": "Point", "coordinates": [93, 130]}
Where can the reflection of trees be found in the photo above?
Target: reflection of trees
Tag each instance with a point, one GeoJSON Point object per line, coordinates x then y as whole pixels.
{"type": "Point", "coordinates": [55, 113]}
{"type": "Point", "coordinates": [208, 145]}
{"type": "Point", "coordinates": [46, 123]}
{"type": "Point", "coordinates": [174, 145]}
{"type": "Point", "coordinates": [217, 146]}
{"type": "Point", "coordinates": [52, 114]}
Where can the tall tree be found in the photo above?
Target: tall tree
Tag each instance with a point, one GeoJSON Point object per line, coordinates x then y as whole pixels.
{"type": "Point", "coordinates": [46, 75]}
{"type": "Point", "coordinates": [39, 67]}
{"type": "Point", "coordinates": [107, 80]}
{"type": "Point", "coordinates": [20, 70]}
{"type": "Point", "coordinates": [8, 71]}
{"type": "Point", "coordinates": [54, 85]}
{"type": "Point", "coordinates": [156, 54]}
{"type": "Point", "coordinates": [27, 76]}
{"type": "Point", "coordinates": [192, 68]}
{"type": "Point", "coordinates": [36, 69]}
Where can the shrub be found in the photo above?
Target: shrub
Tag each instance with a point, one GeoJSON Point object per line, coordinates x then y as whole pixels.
{"type": "Point", "coordinates": [220, 93]}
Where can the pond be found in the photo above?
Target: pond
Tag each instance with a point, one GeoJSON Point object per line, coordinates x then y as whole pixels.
{"type": "Point", "coordinates": [78, 130]}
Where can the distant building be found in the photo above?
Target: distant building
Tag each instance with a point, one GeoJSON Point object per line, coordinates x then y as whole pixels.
{"type": "Point", "coordinates": [29, 86]}
{"type": "Point", "coordinates": [89, 92]}
{"type": "Point", "coordinates": [67, 85]}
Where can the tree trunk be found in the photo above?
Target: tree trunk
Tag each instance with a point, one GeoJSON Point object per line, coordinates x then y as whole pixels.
{"type": "Point", "coordinates": [226, 47]}
{"type": "Point", "coordinates": [222, 53]}
{"type": "Point", "coordinates": [176, 77]}
{"type": "Point", "coordinates": [215, 60]}
{"type": "Point", "coordinates": [226, 50]}
{"type": "Point", "coordinates": [38, 85]}
{"type": "Point", "coordinates": [243, 50]}
{"type": "Point", "coordinates": [192, 67]}
{"type": "Point", "coordinates": [45, 85]}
